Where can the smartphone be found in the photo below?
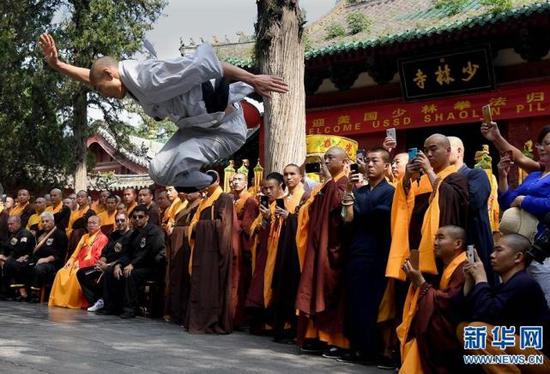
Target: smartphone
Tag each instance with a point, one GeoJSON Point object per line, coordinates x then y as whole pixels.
{"type": "Point", "coordinates": [413, 152]}
{"type": "Point", "coordinates": [470, 254]}
{"type": "Point", "coordinates": [391, 133]}
{"type": "Point", "coordinates": [487, 115]}
{"type": "Point", "coordinates": [280, 203]}
{"type": "Point", "coordinates": [354, 169]}
{"type": "Point", "coordinates": [264, 201]}
{"type": "Point", "coordinates": [414, 258]}
{"type": "Point", "coordinates": [510, 155]}
{"type": "Point", "coordinates": [313, 168]}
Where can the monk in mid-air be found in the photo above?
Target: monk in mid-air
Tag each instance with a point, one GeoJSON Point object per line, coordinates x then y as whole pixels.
{"type": "Point", "coordinates": [193, 91]}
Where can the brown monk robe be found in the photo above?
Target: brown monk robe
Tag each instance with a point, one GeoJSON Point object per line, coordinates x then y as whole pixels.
{"type": "Point", "coordinates": [320, 295]}
{"type": "Point", "coordinates": [286, 274]}
{"type": "Point", "coordinates": [246, 211]}
{"type": "Point", "coordinates": [265, 233]}
{"type": "Point", "coordinates": [177, 274]}
{"type": "Point", "coordinates": [433, 328]}
{"type": "Point", "coordinates": [210, 310]}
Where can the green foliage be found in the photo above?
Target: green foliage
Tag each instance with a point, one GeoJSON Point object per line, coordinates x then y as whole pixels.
{"type": "Point", "coordinates": [451, 7]}
{"type": "Point", "coordinates": [43, 116]}
{"type": "Point", "coordinates": [308, 44]}
{"type": "Point", "coordinates": [357, 22]}
{"type": "Point", "coordinates": [497, 6]}
{"type": "Point", "coordinates": [335, 30]}
{"type": "Point", "coordinates": [34, 141]}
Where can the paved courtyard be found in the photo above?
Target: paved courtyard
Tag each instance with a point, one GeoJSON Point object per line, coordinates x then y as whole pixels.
{"type": "Point", "coordinates": [38, 339]}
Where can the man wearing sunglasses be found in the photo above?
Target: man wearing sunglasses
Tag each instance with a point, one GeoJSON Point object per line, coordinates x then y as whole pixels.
{"type": "Point", "coordinates": [91, 278]}
{"type": "Point", "coordinates": [137, 264]}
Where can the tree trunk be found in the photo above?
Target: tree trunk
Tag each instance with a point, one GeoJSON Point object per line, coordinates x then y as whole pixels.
{"type": "Point", "coordinates": [80, 131]}
{"type": "Point", "coordinates": [280, 52]}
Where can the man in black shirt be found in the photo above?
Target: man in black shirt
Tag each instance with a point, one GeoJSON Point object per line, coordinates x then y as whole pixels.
{"type": "Point", "coordinates": [15, 253]}
{"type": "Point", "coordinates": [137, 264]}
{"type": "Point", "coordinates": [517, 301]}
{"type": "Point", "coordinates": [91, 278]}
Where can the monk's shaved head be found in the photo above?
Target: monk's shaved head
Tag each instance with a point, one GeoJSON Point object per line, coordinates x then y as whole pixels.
{"type": "Point", "coordinates": [516, 242]}
{"type": "Point", "coordinates": [337, 152]}
{"type": "Point", "coordinates": [99, 66]}
{"type": "Point", "coordinates": [455, 232]}
{"type": "Point", "coordinates": [439, 139]}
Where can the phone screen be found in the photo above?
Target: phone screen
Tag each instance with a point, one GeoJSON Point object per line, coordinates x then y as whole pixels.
{"type": "Point", "coordinates": [354, 168]}
{"type": "Point", "coordinates": [487, 116]}
{"type": "Point", "coordinates": [470, 254]}
{"type": "Point", "coordinates": [391, 133]}
{"type": "Point", "coordinates": [313, 168]}
{"type": "Point", "coordinates": [264, 200]}
{"type": "Point", "coordinates": [413, 152]}
{"type": "Point", "coordinates": [280, 203]}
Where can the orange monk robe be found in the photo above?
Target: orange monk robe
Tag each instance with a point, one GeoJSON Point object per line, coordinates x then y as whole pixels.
{"type": "Point", "coordinates": [130, 208]}
{"type": "Point", "coordinates": [98, 207]}
{"type": "Point", "coordinates": [320, 295]}
{"type": "Point", "coordinates": [23, 211]}
{"type": "Point", "coordinates": [66, 291]}
{"type": "Point", "coordinates": [169, 216]}
{"type": "Point", "coordinates": [34, 220]}
{"type": "Point", "coordinates": [76, 216]}
{"type": "Point", "coordinates": [428, 331]}
{"type": "Point", "coordinates": [107, 221]}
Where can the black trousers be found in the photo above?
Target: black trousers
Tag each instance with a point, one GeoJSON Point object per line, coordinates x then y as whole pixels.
{"type": "Point", "coordinates": [27, 273]}
{"type": "Point", "coordinates": [91, 283]}
{"type": "Point", "coordinates": [123, 294]}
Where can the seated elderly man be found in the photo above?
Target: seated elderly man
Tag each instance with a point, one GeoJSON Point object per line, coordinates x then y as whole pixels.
{"type": "Point", "coordinates": [14, 253]}
{"type": "Point", "coordinates": [91, 278]}
{"type": "Point", "coordinates": [46, 258]}
{"type": "Point", "coordinates": [516, 302]}
{"type": "Point", "coordinates": [138, 264]}
{"type": "Point", "coordinates": [66, 290]}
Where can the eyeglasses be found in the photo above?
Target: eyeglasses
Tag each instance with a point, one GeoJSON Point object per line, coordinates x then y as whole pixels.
{"type": "Point", "coordinates": [138, 216]}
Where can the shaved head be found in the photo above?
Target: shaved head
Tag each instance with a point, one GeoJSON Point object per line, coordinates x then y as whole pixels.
{"type": "Point", "coordinates": [98, 67]}
{"type": "Point", "coordinates": [457, 151]}
{"type": "Point", "coordinates": [455, 232]}
{"type": "Point", "coordinates": [335, 160]}
{"type": "Point", "coordinates": [518, 243]}
{"type": "Point", "coordinates": [439, 139]}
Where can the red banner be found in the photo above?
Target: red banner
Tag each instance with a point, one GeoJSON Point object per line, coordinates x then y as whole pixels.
{"type": "Point", "coordinates": [519, 100]}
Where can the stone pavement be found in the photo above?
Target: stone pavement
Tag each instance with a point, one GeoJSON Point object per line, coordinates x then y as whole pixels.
{"type": "Point", "coordinates": [38, 339]}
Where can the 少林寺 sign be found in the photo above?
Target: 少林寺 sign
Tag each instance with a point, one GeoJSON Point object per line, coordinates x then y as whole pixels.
{"type": "Point", "coordinates": [518, 100]}
{"type": "Point", "coordinates": [446, 74]}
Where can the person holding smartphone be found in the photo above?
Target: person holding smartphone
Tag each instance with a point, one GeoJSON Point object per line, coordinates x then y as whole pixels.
{"type": "Point", "coordinates": [366, 211]}
{"type": "Point", "coordinates": [265, 231]}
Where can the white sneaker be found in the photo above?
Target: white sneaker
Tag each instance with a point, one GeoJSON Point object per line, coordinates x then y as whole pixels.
{"type": "Point", "coordinates": [97, 306]}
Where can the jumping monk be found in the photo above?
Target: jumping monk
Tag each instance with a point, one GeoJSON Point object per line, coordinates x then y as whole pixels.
{"type": "Point", "coordinates": [209, 117]}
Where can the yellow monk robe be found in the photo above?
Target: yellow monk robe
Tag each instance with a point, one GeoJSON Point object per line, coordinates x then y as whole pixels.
{"type": "Point", "coordinates": [54, 209]}
{"type": "Point", "coordinates": [169, 217]}
{"type": "Point", "coordinates": [34, 220]}
{"type": "Point", "coordinates": [402, 209]}
{"type": "Point", "coordinates": [17, 210]}
{"type": "Point", "coordinates": [410, 356]}
{"type": "Point", "coordinates": [98, 208]}
{"type": "Point", "coordinates": [107, 220]}
{"type": "Point", "coordinates": [205, 203]}
{"type": "Point", "coordinates": [66, 291]}
{"type": "Point", "coordinates": [75, 215]}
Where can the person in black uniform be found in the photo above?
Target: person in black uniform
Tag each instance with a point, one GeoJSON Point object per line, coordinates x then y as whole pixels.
{"type": "Point", "coordinates": [138, 264]}
{"type": "Point", "coordinates": [15, 254]}
{"type": "Point", "coordinates": [91, 278]}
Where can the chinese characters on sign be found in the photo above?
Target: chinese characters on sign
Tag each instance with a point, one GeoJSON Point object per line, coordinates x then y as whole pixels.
{"type": "Point", "coordinates": [445, 74]}
{"type": "Point", "coordinates": [508, 102]}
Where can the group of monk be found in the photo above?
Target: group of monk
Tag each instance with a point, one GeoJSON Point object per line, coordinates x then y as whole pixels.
{"type": "Point", "coordinates": [365, 262]}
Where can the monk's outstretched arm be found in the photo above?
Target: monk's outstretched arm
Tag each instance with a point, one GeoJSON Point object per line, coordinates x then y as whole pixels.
{"type": "Point", "coordinates": [49, 49]}
{"type": "Point", "coordinates": [263, 84]}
